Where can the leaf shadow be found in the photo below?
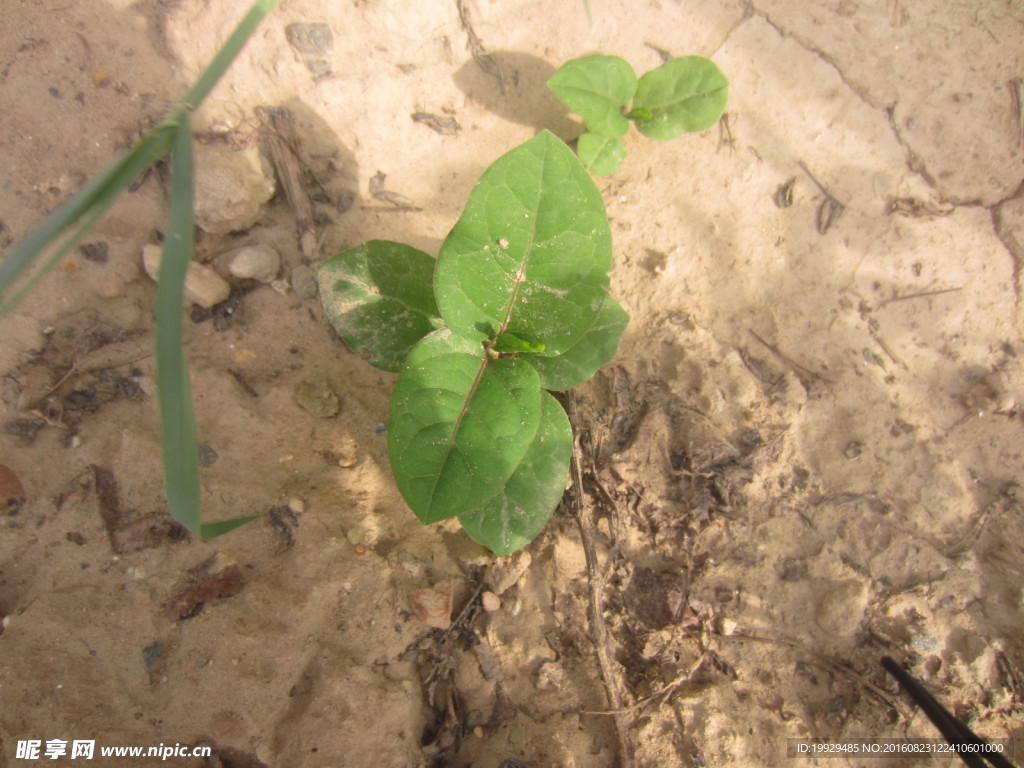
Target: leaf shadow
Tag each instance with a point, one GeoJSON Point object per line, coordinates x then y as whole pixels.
{"type": "Point", "coordinates": [520, 94]}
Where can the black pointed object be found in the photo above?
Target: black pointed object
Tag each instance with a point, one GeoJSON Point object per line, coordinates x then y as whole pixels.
{"type": "Point", "coordinates": [954, 731]}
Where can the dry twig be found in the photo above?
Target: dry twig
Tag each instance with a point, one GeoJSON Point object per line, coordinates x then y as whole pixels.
{"type": "Point", "coordinates": [583, 514]}
{"type": "Point", "coordinates": [279, 134]}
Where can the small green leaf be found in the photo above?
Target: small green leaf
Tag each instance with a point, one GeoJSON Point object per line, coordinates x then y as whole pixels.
{"type": "Point", "coordinates": [461, 423]}
{"type": "Point", "coordinates": [601, 154]}
{"type": "Point", "coordinates": [379, 297]}
{"type": "Point", "coordinates": [682, 95]}
{"type": "Point", "coordinates": [595, 348]}
{"type": "Point", "coordinates": [531, 253]}
{"type": "Point", "coordinates": [597, 88]}
{"type": "Point", "coordinates": [517, 513]}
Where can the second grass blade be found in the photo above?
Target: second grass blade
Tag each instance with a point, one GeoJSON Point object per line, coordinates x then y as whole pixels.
{"type": "Point", "coordinates": [178, 423]}
{"type": "Point", "coordinates": [177, 418]}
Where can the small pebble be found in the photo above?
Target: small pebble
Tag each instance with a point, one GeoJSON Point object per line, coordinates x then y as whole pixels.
{"type": "Point", "coordinates": [255, 262]}
{"type": "Point", "coordinates": [490, 601]}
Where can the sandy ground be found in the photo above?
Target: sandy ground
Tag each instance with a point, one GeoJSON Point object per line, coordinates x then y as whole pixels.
{"type": "Point", "coordinates": [821, 382]}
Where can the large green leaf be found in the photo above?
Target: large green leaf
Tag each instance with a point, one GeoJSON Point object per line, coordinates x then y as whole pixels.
{"type": "Point", "coordinates": [380, 299]}
{"type": "Point", "coordinates": [518, 512]}
{"type": "Point", "coordinates": [595, 348]}
{"type": "Point", "coordinates": [598, 88]}
{"type": "Point", "coordinates": [682, 95]}
{"type": "Point", "coordinates": [531, 253]}
{"type": "Point", "coordinates": [461, 422]}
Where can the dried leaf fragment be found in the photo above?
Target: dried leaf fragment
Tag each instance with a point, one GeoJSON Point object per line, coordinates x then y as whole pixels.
{"type": "Point", "coordinates": [190, 601]}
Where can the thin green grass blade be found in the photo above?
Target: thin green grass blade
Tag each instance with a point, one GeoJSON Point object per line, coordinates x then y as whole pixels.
{"type": "Point", "coordinates": [177, 418]}
{"type": "Point", "coordinates": [102, 190]}
{"type": "Point", "coordinates": [178, 423]}
{"type": "Point", "coordinates": [213, 530]}
{"type": "Point", "coordinates": [88, 205]}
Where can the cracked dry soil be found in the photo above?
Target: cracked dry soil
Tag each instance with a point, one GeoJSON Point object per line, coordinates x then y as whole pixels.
{"type": "Point", "coordinates": [807, 454]}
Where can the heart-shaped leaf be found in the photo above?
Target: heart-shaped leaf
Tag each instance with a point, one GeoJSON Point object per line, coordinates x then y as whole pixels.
{"type": "Point", "coordinates": [597, 88]}
{"type": "Point", "coordinates": [531, 253]}
{"type": "Point", "coordinates": [518, 512]}
{"type": "Point", "coordinates": [379, 298]}
{"type": "Point", "coordinates": [601, 154]}
{"type": "Point", "coordinates": [682, 95]}
{"type": "Point", "coordinates": [461, 423]}
{"type": "Point", "coordinates": [593, 349]}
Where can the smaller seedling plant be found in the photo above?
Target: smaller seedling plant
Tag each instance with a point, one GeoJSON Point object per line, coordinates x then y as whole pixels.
{"type": "Point", "coordinates": [516, 304]}
{"type": "Point", "coordinates": [683, 95]}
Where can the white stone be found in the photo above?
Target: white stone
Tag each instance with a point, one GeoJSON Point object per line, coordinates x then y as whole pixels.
{"type": "Point", "coordinates": [231, 187]}
{"type": "Point", "coordinates": [255, 262]}
{"type": "Point", "coordinates": [203, 286]}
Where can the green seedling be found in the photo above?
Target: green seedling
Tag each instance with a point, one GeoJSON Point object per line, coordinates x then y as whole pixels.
{"type": "Point", "coordinates": [681, 96]}
{"type": "Point", "coordinates": [42, 250]}
{"type": "Point", "coordinates": [515, 304]}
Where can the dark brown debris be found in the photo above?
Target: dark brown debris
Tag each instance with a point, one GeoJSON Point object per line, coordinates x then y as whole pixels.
{"type": "Point", "coordinates": [446, 125]}
{"type": "Point", "coordinates": [205, 586]}
{"type": "Point", "coordinates": [127, 533]}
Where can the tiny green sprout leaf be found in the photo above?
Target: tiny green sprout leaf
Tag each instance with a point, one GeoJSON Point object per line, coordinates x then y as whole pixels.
{"type": "Point", "coordinates": [379, 298]}
{"type": "Point", "coordinates": [509, 343]}
{"type": "Point", "coordinates": [601, 154]}
{"type": "Point", "coordinates": [517, 513]}
{"type": "Point", "coordinates": [531, 252]}
{"type": "Point", "coordinates": [598, 88]}
{"type": "Point", "coordinates": [639, 113]}
{"type": "Point", "coordinates": [595, 348]}
{"type": "Point", "coordinates": [682, 95]}
{"type": "Point", "coordinates": [461, 423]}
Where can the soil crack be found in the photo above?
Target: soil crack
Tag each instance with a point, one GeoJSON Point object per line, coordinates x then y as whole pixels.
{"type": "Point", "coordinates": [914, 163]}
